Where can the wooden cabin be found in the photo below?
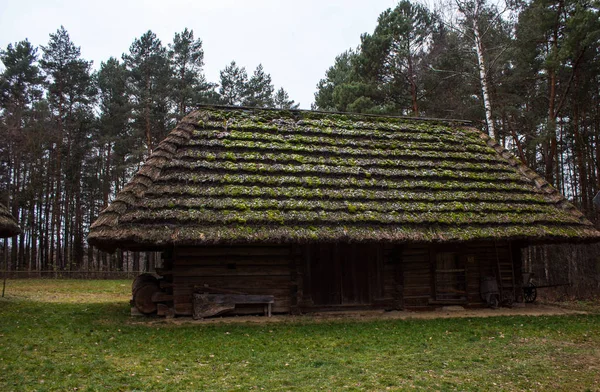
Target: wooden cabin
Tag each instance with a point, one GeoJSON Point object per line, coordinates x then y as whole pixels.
{"type": "Point", "coordinates": [8, 224]}
{"type": "Point", "coordinates": [333, 211]}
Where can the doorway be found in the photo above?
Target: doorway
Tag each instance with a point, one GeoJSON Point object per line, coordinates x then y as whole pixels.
{"type": "Point", "coordinates": [341, 274]}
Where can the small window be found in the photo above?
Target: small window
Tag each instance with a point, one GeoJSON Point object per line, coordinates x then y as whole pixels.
{"type": "Point", "coordinates": [450, 277]}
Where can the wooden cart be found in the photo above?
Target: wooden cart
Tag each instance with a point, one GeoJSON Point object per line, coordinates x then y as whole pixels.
{"type": "Point", "coordinates": [530, 288]}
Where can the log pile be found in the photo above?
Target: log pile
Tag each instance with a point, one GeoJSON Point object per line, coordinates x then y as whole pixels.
{"type": "Point", "coordinates": [149, 297]}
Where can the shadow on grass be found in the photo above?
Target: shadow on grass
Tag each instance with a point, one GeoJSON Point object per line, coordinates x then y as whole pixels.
{"type": "Point", "coordinates": [95, 346]}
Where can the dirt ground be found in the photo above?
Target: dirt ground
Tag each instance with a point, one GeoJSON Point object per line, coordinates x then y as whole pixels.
{"type": "Point", "coordinates": [534, 309]}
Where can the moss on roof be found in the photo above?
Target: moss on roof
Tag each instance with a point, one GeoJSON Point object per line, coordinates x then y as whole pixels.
{"type": "Point", "coordinates": [235, 175]}
{"type": "Point", "coordinates": [8, 224]}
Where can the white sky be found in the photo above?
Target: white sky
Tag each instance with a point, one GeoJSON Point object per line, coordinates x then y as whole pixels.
{"type": "Point", "coordinates": [296, 41]}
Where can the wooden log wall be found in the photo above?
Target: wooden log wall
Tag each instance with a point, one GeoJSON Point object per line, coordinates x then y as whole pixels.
{"type": "Point", "coordinates": [409, 270]}
{"type": "Point", "coordinates": [416, 275]}
{"type": "Point", "coordinates": [260, 270]}
{"type": "Point", "coordinates": [400, 276]}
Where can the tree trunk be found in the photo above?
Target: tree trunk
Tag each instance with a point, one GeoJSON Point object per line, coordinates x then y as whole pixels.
{"type": "Point", "coordinates": [413, 86]}
{"type": "Point", "coordinates": [483, 75]}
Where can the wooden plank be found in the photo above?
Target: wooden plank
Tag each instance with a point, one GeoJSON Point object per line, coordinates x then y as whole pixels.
{"type": "Point", "coordinates": [235, 298]}
{"type": "Point", "coordinates": [186, 309]}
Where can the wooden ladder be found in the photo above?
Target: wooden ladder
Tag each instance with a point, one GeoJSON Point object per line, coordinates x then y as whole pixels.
{"type": "Point", "coordinates": [506, 278]}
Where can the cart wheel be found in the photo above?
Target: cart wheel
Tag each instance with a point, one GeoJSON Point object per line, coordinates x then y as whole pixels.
{"type": "Point", "coordinates": [494, 301]}
{"type": "Point", "coordinates": [529, 293]}
{"type": "Point", "coordinates": [507, 300]}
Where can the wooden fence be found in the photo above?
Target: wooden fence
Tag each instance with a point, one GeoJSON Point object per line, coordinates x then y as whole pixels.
{"type": "Point", "coordinates": [70, 274]}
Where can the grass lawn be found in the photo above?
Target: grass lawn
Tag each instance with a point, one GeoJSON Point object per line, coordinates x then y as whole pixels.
{"type": "Point", "coordinates": [78, 335]}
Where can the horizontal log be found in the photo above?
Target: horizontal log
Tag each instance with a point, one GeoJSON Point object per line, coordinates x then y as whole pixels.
{"type": "Point", "coordinates": [418, 264]}
{"type": "Point", "coordinates": [241, 251]}
{"type": "Point", "coordinates": [408, 293]}
{"type": "Point", "coordinates": [161, 296]}
{"type": "Point", "coordinates": [416, 274]}
{"type": "Point", "coordinates": [215, 290]}
{"type": "Point", "coordinates": [235, 282]}
{"type": "Point", "coordinates": [232, 270]}
{"type": "Point", "coordinates": [228, 259]}
{"type": "Point", "coordinates": [187, 292]}
{"type": "Point", "coordinates": [417, 285]}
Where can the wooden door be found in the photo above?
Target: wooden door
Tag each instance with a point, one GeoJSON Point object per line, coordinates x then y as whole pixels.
{"type": "Point", "coordinates": [324, 276]}
{"type": "Point", "coordinates": [340, 274]}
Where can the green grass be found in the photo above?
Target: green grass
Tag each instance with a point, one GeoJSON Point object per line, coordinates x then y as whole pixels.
{"type": "Point", "coordinates": [78, 335]}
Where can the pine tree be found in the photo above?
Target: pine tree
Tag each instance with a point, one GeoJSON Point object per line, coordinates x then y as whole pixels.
{"type": "Point", "coordinates": [399, 38]}
{"type": "Point", "coordinates": [189, 85]}
{"type": "Point", "coordinates": [553, 37]}
{"type": "Point", "coordinates": [70, 94]}
{"type": "Point", "coordinates": [114, 139]}
{"type": "Point", "coordinates": [450, 87]}
{"type": "Point", "coordinates": [341, 73]}
{"type": "Point", "coordinates": [259, 90]}
{"type": "Point", "coordinates": [281, 100]}
{"type": "Point", "coordinates": [20, 89]}
{"type": "Point", "coordinates": [383, 75]}
{"type": "Point", "coordinates": [20, 83]}
{"type": "Point", "coordinates": [233, 83]}
{"type": "Point", "coordinates": [148, 84]}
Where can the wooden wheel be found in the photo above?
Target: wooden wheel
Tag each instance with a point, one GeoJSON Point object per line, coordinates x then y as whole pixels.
{"type": "Point", "coordinates": [529, 293]}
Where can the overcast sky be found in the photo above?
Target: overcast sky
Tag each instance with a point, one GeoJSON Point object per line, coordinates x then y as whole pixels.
{"type": "Point", "coordinates": [296, 41]}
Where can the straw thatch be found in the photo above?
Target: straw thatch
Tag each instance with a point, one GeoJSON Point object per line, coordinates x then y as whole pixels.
{"type": "Point", "coordinates": [235, 175]}
{"type": "Point", "coordinates": [8, 224]}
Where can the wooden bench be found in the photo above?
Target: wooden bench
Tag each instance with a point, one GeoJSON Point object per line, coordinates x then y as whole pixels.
{"type": "Point", "coordinates": [207, 305]}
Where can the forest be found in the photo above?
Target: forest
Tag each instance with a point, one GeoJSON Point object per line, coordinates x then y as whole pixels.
{"type": "Point", "coordinates": [526, 72]}
{"type": "Point", "coordinates": [71, 137]}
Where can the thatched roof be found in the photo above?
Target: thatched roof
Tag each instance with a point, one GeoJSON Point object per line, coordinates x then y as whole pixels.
{"type": "Point", "coordinates": [8, 224]}
{"type": "Point", "coordinates": [235, 175]}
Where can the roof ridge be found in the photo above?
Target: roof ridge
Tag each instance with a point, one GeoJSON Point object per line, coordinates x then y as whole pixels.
{"type": "Point", "coordinates": [453, 121]}
{"type": "Point", "coordinates": [538, 181]}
